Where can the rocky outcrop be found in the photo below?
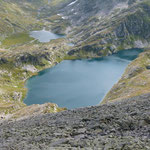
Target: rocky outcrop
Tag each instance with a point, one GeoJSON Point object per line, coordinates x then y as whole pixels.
{"type": "Point", "coordinates": [3, 61]}
{"type": "Point", "coordinates": [35, 110]}
{"type": "Point", "coordinates": [120, 125]}
{"type": "Point", "coordinates": [33, 59]}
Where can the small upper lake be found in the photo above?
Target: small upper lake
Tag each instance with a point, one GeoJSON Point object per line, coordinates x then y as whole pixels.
{"type": "Point", "coordinates": [78, 83]}
{"type": "Point", "coordinates": [44, 36]}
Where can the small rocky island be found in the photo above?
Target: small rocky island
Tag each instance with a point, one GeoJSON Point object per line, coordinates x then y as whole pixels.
{"type": "Point", "coordinates": [86, 29]}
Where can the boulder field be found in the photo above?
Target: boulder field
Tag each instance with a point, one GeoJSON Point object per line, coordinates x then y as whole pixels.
{"type": "Point", "coordinates": [122, 125]}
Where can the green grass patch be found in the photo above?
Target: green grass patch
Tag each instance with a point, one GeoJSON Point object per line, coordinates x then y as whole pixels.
{"type": "Point", "coordinates": [15, 39]}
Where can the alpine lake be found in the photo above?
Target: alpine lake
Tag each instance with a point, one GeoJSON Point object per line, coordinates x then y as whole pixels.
{"type": "Point", "coordinates": [76, 83]}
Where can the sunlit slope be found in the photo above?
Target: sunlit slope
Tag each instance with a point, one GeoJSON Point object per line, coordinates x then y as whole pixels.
{"type": "Point", "coordinates": [14, 19]}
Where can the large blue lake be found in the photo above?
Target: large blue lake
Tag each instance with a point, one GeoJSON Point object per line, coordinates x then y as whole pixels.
{"type": "Point", "coordinates": [78, 83]}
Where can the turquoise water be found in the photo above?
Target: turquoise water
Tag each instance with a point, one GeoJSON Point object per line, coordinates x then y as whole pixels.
{"type": "Point", "coordinates": [78, 83]}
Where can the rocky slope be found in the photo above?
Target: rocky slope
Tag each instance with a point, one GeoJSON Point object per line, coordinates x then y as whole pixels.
{"type": "Point", "coordinates": [22, 16]}
{"type": "Point", "coordinates": [123, 125]}
{"type": "Point", "coordinates": [104, 27]}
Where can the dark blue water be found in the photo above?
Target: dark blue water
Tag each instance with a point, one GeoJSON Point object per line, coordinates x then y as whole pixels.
{"type": "Point", "coordinates": [78, 83]}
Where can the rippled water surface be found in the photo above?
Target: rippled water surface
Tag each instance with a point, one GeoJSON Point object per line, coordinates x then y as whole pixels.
{"type": "Point", "coordinates": [78, 83]}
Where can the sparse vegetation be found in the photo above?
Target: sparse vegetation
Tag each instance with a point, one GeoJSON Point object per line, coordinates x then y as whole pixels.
{"type": "Point", "coordinates": [16, 39]}
{"type": "Point", "coordinates": [14, 72]}
{"type": "Point", "coordinates": [135, 81]}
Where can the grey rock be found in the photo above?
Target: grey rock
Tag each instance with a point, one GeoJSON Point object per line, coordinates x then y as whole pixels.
{"type": "Point", "coordinates": [120, 125]}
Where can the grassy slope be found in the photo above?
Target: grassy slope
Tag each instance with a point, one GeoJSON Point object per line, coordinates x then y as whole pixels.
{"type": "Point", "coordinates": [13, 74]}
{"type": "Point", "coordinates": [14, 19]}
{"type": "Point", "coordinates": [18, 18]}
{"type": "Point", "coordinates": [135, 81]}
{"type": "Point", "coordinates": [18, 38]}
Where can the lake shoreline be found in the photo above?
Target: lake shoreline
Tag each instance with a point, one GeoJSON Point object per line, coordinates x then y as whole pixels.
{"type": "Point", "coordinates": [37, 51]}
{"type": "Point", "coordinates": [85, 60]}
